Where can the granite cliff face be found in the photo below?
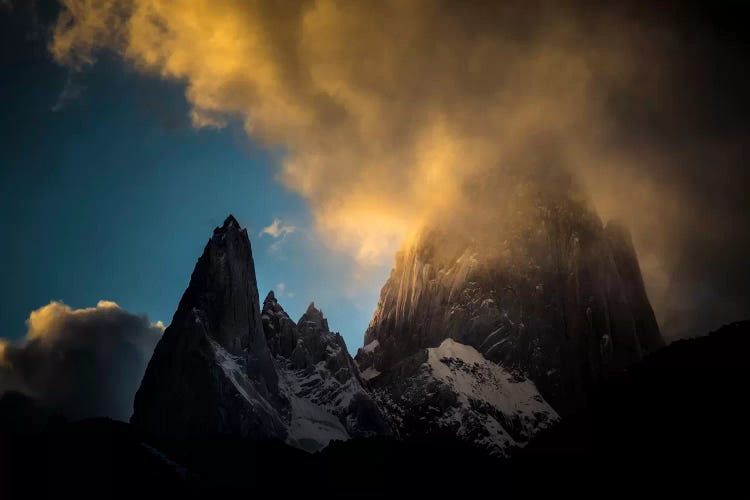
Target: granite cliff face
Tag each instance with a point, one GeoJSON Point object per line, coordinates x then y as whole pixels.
{"type": "Point", "coordinates": [540, 287]}
{"type": "Point", "coordinates": [327, 399]}
{"type": "Point", "coordinates": [226, 367]}
{"type": "Point", "coordinates": [212, 372]}
{"type": "Point", "coordinates": [488, 332]}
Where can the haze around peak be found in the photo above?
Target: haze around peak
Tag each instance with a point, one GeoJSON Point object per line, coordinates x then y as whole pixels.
{"type": "Point", "coordinates": [391, 114]}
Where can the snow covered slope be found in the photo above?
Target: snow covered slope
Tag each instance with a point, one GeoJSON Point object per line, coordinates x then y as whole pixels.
{"type": "Point", "coordinates": [453, 390]}
{"type": "Point", "coordinates": [319, 379]}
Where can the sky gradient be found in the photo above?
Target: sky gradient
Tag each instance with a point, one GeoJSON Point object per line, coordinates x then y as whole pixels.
{"type": "Point", "coordinates": [130, 133]}
{"type": "Point", "coordinates": [111, 194]}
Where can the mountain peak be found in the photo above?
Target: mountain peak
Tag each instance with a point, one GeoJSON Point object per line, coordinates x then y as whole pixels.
{"type": "Point", "coordinates": [230, 221]}
{"type": "Point", "coordinates": [215, 347]}
{"type": "Point", "coordinates": [498, 295]}
{"type": "Point", "coordinates": [315, 316]}
{"type": "Point", "coordinates": [271, 296]}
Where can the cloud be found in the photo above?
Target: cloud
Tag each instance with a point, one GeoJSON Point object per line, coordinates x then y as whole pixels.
{"type": "Point", "coordinates": [392, 113]}
{"type": "Point", "coordinates": [71, 92]}
{"type": "Point", "coordinates": [81, 362]}
{"type": "Point", "coordinates": [281, 291]}
{"type": "Point", "coordinates": [278, 229]}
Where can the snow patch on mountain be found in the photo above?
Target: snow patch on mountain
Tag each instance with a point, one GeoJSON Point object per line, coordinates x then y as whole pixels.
{"type": "Point", "coordinates": [505, 397]}
{"type": "Point", "coordinates": [233, 369]}
{"type": "Point", "coordinates": [475, 378]}
{"type": "Point", "coordinates": [370, 373]}
{"type": "Point", "coordinates": [371, 346]}
{"type": "Point", "coordinates": [453, 391]}
{"type": "Point", "coordinates": [318, 377]}
{"type": "Point", "coordinates": [312, 425]}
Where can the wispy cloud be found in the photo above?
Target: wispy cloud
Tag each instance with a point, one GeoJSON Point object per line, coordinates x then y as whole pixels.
{"type": "Point", "coordinates": [281, 291]}
{"type": "Point", "coordinates": [71, 91]}
{"type": "Point", "coordinates": [277, 229]}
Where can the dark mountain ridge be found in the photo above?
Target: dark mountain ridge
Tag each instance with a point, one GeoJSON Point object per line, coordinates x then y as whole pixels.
{"type": "Point", "coordinates": [666, 425]}
{"type": "Point", "coordinates": [226, 366]}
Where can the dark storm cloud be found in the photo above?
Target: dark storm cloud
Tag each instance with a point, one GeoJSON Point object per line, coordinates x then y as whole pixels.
{"type": "Point", "coordinates": [80, 362]}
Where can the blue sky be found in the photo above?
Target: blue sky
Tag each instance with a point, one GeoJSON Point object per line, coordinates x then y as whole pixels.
{"type": "Point", "coordinates": [108, 192]}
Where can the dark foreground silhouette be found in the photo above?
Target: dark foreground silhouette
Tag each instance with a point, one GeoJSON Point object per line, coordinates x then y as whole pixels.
{"type": "Point", "coordinates": [673, 423]}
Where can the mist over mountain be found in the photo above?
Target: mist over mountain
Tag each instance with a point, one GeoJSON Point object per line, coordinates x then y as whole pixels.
{"type": "Point", "coordinates": [486, 337]}
{"type": "Point", "coordinates": [531, 278]}
{"type": "Point", "coordinates": [394, 112]}
{"type": "Point", "coordinates": [468, 370]}
{"type": "Point", "coordinates": [493, 245]}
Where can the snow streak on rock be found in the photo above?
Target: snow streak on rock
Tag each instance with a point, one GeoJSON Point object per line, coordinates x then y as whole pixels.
{"type": "Point", "coordinates": [452, 390]}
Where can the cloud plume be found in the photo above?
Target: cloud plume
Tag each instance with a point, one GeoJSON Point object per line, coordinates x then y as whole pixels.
{"type": "Point", "coordinates": [389, 112]}
{"type": "Point", "coordinates": [277, 229]}
{"type": "Point", "coordinates": [80, 362]}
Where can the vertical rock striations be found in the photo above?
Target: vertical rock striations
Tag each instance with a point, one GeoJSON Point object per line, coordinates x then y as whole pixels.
{"type": "Point", "coordinates": [534, 283]}
{"type": "Point", "coordinates": [212, 372]}
{"type": "Point", "coordinates": [226, 367]}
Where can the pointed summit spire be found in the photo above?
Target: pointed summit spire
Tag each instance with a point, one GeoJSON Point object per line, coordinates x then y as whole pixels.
{"type": "Point", "coordinates": [230, 224]}
{"type": "Point", "coordinates": [231, 221]}
{"type": "Point", "coordinates": [213, 359]}
{"type": "Point", "coordinates": [315, 316]}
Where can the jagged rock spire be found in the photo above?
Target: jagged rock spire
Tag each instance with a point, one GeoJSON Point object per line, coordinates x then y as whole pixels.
{"type": "Point", "coordinates": [212, 371]}
{"type": "Point", "coordinates": [230, 221]}
{"type": "Point", "coordinates": [549, 292]}
{"type": "Point", "coordinates": [314, 317]}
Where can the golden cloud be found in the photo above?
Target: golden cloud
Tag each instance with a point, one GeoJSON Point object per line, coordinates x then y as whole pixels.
{"type": "Point", "coordinates": [389, 112]}
{"type": "Point", "coordinates": [385, 109]}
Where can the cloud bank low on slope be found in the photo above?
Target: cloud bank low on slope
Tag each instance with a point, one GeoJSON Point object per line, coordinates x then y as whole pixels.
{"type": "Point", "coordinates": [388, 112]}
{"type": "Point", "coordinates": [81, 362]}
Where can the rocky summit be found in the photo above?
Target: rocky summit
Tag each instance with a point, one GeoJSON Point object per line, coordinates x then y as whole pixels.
{"type": "Point", "coordinates": [535, 284]}
{"type": "Point", "coordinates": [212, 372]}
{"type": "Point", "coordinates": [483, 336]}
{"type": "Point", "coordinates": [224, 367]}
{"type": "Point", "coordinates": [319, 379]}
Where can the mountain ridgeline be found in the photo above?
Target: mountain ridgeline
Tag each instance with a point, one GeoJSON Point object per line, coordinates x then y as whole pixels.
{"type": "Point", "coordinates": [224, 367]}
{"type": "Point", "coordinates": [539, 286]}
{"type": "Point", "coordinates": [486, 339]}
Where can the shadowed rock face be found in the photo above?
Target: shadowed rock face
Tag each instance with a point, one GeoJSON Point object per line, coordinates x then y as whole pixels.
{"type": "Point", "coordinates": [539, 287]}
{"type": "Point", "coordinates": [212, 372]}
{"type": "Point", "coordinates": [626, 260]}
{"type": "Point", "coordinates": [328, 400]}
{"type": "Point", "coordinates": [226, 367]}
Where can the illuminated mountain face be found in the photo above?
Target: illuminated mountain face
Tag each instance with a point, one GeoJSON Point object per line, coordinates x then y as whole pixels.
{"type": "Point", "coordinates": [539, 286]}
{"type": "Point", "coordinates": [485, 341]}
